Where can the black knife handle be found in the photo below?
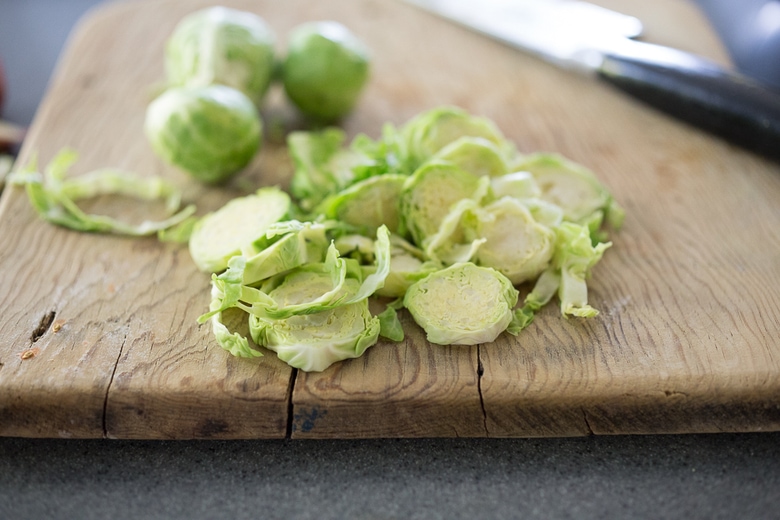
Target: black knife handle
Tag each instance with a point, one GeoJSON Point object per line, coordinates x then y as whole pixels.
{"type": "Point", "coordinates": [701, 93]}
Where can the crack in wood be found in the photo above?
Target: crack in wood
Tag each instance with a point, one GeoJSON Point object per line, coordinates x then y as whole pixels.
{"type": "Point", "coordinates": [108, 386]}
{"type": "Point", "coordinates": [290, 407]}
{"type": "Point", "coordinates": [587, 422]}
{"type": "Point", "coordinates": [480, 373]}
{"type": "Point", "coordinates": [43, 326]}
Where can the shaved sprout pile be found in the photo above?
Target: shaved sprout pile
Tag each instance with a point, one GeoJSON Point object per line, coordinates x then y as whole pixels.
{"type": "Point", "coordinates": [441, 216]}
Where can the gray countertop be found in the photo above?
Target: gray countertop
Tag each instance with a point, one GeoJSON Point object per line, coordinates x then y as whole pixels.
{"type": "Point", "coordinates": [668, 476]}
{"type": "Point", "coordinates": [724, 476]}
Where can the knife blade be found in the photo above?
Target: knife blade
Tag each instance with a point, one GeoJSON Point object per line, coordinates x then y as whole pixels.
{"type": "Point", "coordinates": [587, 38]}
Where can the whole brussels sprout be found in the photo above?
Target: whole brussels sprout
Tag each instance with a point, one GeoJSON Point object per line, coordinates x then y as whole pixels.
{"type": "Point", "coordinates": [325, 69]}
{"type": "Point", "coordinates": [223, 46]}
{"type": "Point", "coordinates": [211, 132]}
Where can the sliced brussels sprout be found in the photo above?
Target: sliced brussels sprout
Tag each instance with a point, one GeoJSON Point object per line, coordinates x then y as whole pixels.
{"type": "Point", "coordinates": [313, 342]}
{"type": "Point", "coordinates": [451, 243]}
{"type": "Point", "coordinates": [226, 293]}
{"type": "Point", "coordinates": [225, 232]}
{"type": "Point", "coordinates": [514, 243]}
{"type": "Point", "coordinates": [383, 155]}
{"type": "Point", "coordinates": [359, 247]}
{"type": "Point", "coordinates": [519, 184]}
{"type": "Point", "coordinates": [325, 69]}
{"type": "Point", "coordinates": [405, 269]}
{"type": "Point", "coordinates": [429, 194]}
{"type": "Point", "coordinates": [572, 187]}
{"type": "Point", "coordinates": [484, 309]}
{"type": "Point", "coordinates": [348, 283]}
{"type": "Point", "coordinates": [522, 186]}
{"type": "Point", "coordinates": [210, 132]}
{"type": "Point", "coordinates": [323, 166]}
{"type": "Point", "coordinates": [367, 204]}
{"type": "Point", "coordinates": [283, 248]}
{"type": "Point", "coordinates": [476, 155]}
{"type": "Point", "coordinates": [407, 263]}
{"type": "Point", "coordinates": [575, 256]}
{"type": "Point", "coordinates": [427, 133]}
{"type": "Point", "coordinates": [220, 45]}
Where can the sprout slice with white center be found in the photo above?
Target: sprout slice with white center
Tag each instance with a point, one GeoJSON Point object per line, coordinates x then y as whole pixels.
{"type": "Point", "coordinates": [572, 187]}
{"type": "Point", "coordinates": [314, 340]}
{"type": "Point", "coordinates": [368, 203]}
{"type": "Point", "coordinates": [224, 233]}
{"type": "Point", "coordinates": [476, 155]}
{"type": "Point", "coordinates": [463, 304]}
{"type": "Point", "coordinates": [520, 185]}
{"type": "Point", "coordinates": [429, 194]}
{"type": "Point", "coordinates": [514, 243]}
{"type": "Point", "coordinates": [429, 132]}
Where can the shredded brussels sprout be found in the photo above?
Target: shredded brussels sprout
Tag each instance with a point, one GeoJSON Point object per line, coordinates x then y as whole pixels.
{"type": "Point", "coordinates": [54, 196]}
{"type": "Point", "coordinates": [442, 216]}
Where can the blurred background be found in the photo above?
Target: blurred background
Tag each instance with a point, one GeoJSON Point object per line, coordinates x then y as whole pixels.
{"type": "Point", "coordinates": [33, 32]}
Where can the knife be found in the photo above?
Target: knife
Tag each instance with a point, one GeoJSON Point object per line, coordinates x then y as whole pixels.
{"type": "Point", "coordinates": [588, 38]}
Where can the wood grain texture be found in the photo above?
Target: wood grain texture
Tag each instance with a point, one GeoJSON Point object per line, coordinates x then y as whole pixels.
{"type": "Point", "coordinates": [99, 337]}
{"type": "Point", "coordinates": [411, 389]}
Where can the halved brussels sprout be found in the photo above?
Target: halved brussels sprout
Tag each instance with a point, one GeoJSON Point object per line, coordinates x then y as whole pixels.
{"type": "Point", "coordinates": [211, 132]}
{"type": "Point", "coordinates": [220, 45]}
{"type": "Point", "coordinates": [463, 304]}
{"type": "Point", "coordinates": [225, 232]}
{"type": "Point", "coordinates": [325, 69]}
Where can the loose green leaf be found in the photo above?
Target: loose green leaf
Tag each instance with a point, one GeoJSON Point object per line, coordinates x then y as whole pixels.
{"type": "Point", "coordinates": [54, 196]}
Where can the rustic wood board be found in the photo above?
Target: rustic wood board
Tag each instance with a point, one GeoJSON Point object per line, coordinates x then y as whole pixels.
{"type": "Point", "coordinates": [690, 292]}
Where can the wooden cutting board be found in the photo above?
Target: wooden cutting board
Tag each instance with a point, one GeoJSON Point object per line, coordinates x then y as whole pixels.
{"type": "Point", "coordinates": [687, 340]}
